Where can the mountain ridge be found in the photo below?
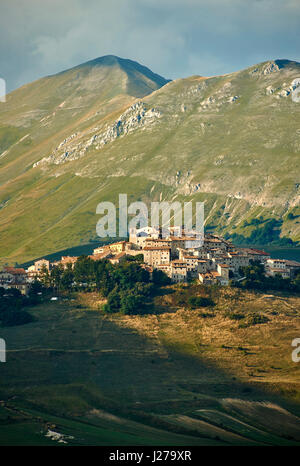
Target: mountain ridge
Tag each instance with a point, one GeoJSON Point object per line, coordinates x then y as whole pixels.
{"type": "Point", "coordinates": [230, 140]}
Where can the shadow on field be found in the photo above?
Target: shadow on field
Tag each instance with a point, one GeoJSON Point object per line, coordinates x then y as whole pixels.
{"type": "Point", "coordinates": [73, 363]}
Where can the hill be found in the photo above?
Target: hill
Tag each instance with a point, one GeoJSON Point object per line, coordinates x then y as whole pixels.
{"type": "Point", "coordinates": [173, 377]}
{"type": "Point", "coordinates": [112, 126]}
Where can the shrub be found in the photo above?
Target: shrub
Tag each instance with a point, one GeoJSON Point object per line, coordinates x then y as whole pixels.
{"type": "Point", "coordinates": [234, 315]}
{"type": "Point", "coordinates": [113, 302]}
{"type": "Point", "coordinates": [131, 304]}
{"type": "Point", "coordinates": [160, 278]}
{"type": "Point", "coordinates": [204, 315]}
{"type": "Point", "coordinates": [199, 301]}
{"type": "Point", "coordinates": [254, 319]}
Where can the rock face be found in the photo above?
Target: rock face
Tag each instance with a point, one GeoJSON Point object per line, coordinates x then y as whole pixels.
{"type": "Point", "coordinates": [135, 117]}
{"type": "Point", "coordinates": [110, 126]}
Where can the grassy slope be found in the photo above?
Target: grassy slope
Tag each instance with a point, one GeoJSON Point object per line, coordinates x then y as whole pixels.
{"type": "Point", "coordinates": [132, 380]}
{"type": "Point", "coordinates": [243, 155]}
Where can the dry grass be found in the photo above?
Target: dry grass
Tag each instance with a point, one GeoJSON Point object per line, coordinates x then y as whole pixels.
{"type": "Point", "coordinates": [260, 353]}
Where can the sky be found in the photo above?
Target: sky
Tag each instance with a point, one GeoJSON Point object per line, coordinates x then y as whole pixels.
{"type": "Point", "coordinates": [174, 38]}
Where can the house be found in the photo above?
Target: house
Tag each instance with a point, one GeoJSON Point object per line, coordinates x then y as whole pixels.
{"type": "Point", "coordinates": [166, 268]}
{"type": "Point", "coordinates": [132, 249]}
{"type": "Point", "coordinates": [178, 271]}
{"type": "Point", "coordinates": [118, 247]}
{"type": "Point", "coordinates": [206, 278]}
{"type": "Point", "coordinates": [212, 278]}
{"type": "Point", "coordinates": [118, 258]}
{"type": "Point", "coordinates": [237, 259]}
{"type": "Point", "coordinates": [100, 250]}
{"type": "Point", "coordinates": [294, 268]}
{"type": "Point", "coordinates": [31, 273]}
{"type": "Point", "coordinates": [223, 271]}
{"type": "Point", "coordinates": [12, 274]}
{"type": "Point", "coordinates": [40, 264]}
{"type": "Point", "coordinates": [22, 287]}
{"type": "Point", "coordinates": [277, 267]}
{"type": "Point", "coordinates": [157, 242]}
{"type": "Point", "coordinates": [284, 273]}
{"type": "Point", "coordinates": [199, 252]}
{"type": "Point", "coordinates": [157, 255]}
{"type": "Point", "coordinates": [65, 260]}
{"type": "Point", "coordinates": [211, 241]}
{"type": "Point", "coordinates": [276, 263]}
{"type": "Point", "coordinates": [176, 243]}
{"type": "Point", "coordinates": [191, 264]}
{"type": "Point", "coordinates": [256, 254]}
{"type": "Point", "coordinates": [11, 277]}
{"type": "Point", "coordinates": [106, 254]}
{"type": "Point", "coordinates": [138, 236]}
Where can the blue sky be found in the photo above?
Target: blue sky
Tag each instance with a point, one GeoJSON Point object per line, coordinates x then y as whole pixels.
{"type": "Point", "coordinates": [175, 38]}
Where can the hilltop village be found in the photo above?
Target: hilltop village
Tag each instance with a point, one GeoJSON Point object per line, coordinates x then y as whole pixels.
{"type": "Point", "coordinates": [181, 257]}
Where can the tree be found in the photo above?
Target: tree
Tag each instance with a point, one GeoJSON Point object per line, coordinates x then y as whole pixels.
{"type": "Point", "coordinates": [84, 270]}
{"type": "Point", "coordinates": [113, 302]}
{"type": "Point", "coordinates": [67, 278]}
{"type": "Point", "coordinates": [104, 277]}
{"type": "Point", "coordinates": [128, 273]}
{"type": "Point", "coordinates": [138, 258]}
{"type": "Point", "coordinates": [35, 288]}
{"type": "Point", "coordinates": [160, 278]}
{"type": "Point", "coordinates": [296, 282]}
{"type": "Point", "coordinates": [56, 274]}
{"type": "Point", "coordinates": [44, 276]}
{"type": "Point", "coordinates": [131, 303]}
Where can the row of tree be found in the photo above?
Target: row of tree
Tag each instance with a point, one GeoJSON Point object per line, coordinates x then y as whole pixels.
{"type": "Point", "coordinates": [126, 285]}
{"type": "Point", "coordinates": [256, 279]}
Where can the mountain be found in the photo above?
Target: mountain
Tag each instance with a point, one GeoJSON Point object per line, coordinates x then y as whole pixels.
{"type": "Point", "coordinates": [110, 126]}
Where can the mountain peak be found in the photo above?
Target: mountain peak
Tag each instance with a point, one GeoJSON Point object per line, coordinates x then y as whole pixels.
{"type": "Point", "coordinates": [137, 79]}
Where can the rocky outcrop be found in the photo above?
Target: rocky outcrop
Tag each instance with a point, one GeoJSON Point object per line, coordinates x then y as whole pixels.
{"type": "Point", "coordinates": [76, 145]}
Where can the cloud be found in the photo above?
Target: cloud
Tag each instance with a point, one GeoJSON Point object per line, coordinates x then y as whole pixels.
{"type": "Point", "coordinates": [175, 38]}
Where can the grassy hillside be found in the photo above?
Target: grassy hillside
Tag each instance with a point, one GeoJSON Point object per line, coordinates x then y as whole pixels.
{"type": "Point", "coordinates": [173, 377]}
{"type": "Point", "coordinates": [80, 137]}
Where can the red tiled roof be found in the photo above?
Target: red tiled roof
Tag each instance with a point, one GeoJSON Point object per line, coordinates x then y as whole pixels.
{"type": "Point", "coordinates": [158, 240]}
{"type": "Point", "coordinates": [14, 271]}
{"type": "Point", "coordinates": [118, 256]}
{"type": "Point", "coordinates": [100, 255]}
{"type": "Point", "coordinates": [69, 259]}
{"type": "Point", "coordinates": [258, 251]}
{"type": "Point", "coordinates": [178, 263]}
{"type": "Point", "coordinates": [278, 270]}
{"type": "Point", "coordinates": [156, 248]}
{"type": "Point", "coordinates": [292, 263]}
{"type": "Point", "coordinates": [118, 242]}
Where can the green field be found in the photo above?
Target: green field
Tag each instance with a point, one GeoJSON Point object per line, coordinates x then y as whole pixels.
{"type": "Point", "coordinates": [174, 377]}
